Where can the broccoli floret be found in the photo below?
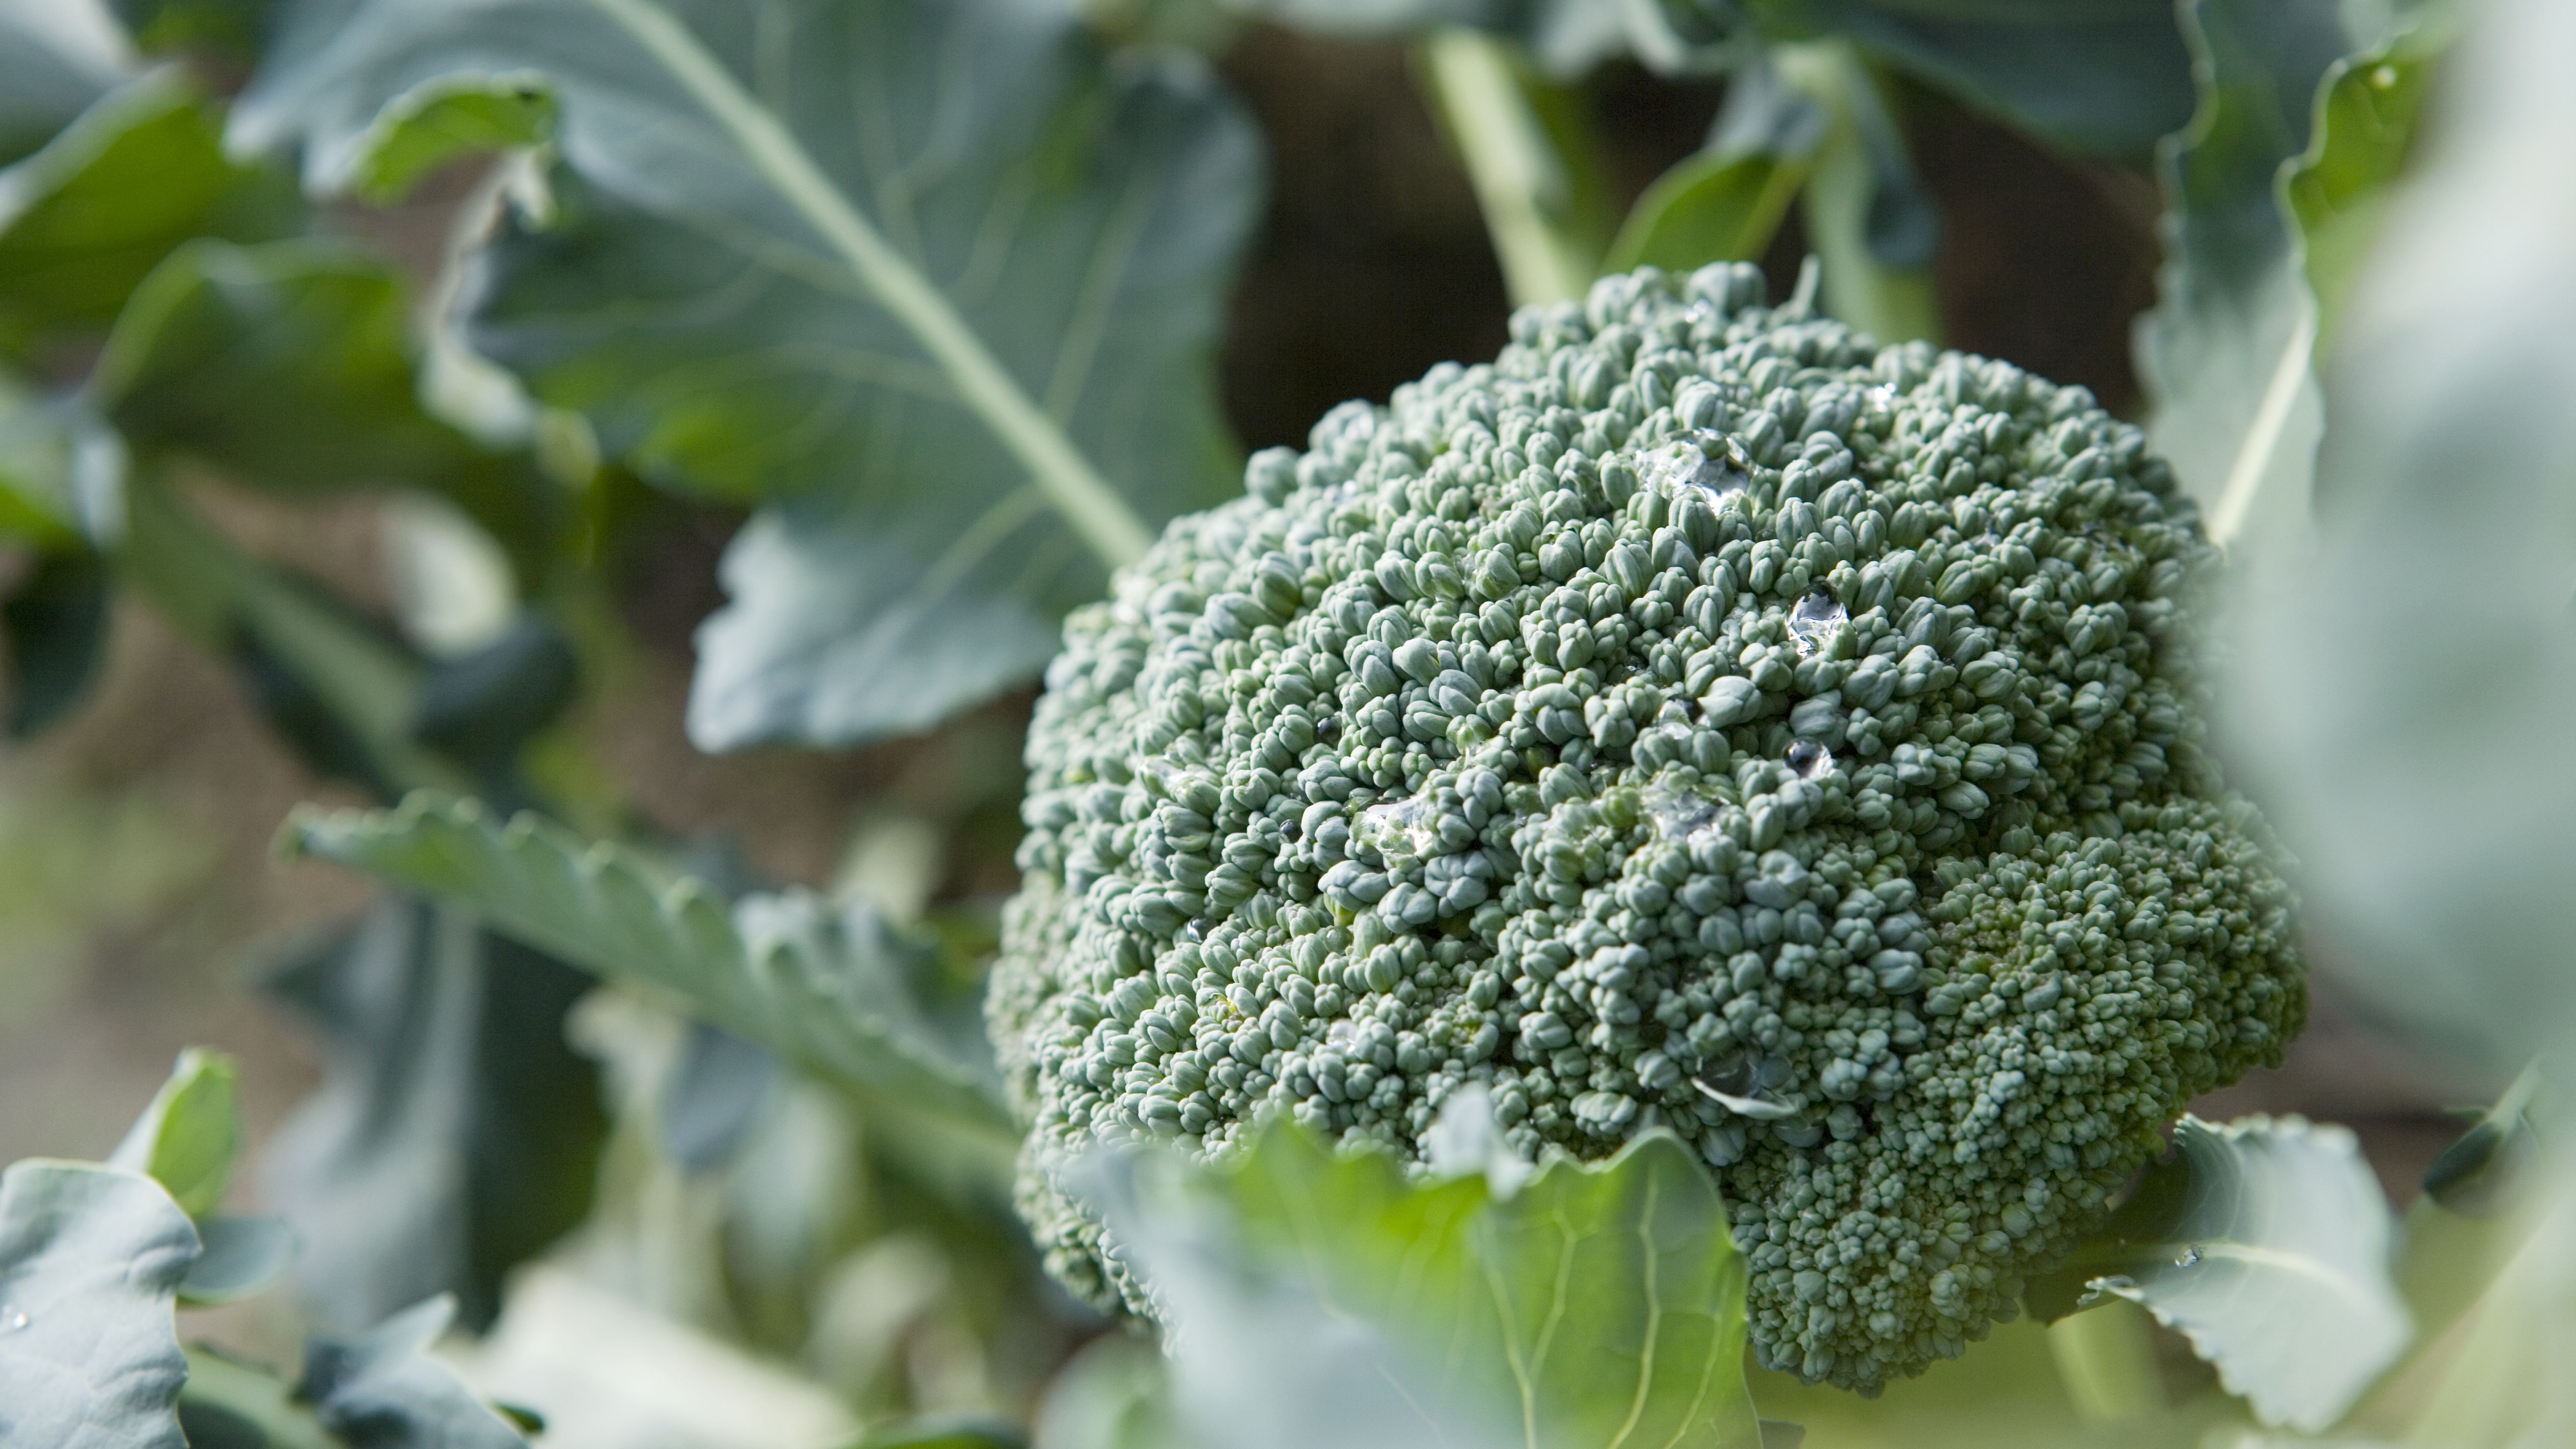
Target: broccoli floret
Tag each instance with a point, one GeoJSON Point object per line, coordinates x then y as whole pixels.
{"type": "Point", "coordinates": [1700, 716]}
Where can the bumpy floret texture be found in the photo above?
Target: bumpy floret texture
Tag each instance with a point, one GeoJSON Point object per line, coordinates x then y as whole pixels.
{"type": "Point", "coordinates": [1701, 716]}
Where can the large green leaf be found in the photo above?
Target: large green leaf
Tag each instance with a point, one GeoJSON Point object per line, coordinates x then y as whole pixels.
{"type": "Point", "coordinates": [822, 986]}
{"type": "Point", "coordinates": [90, 1263]}
{"type": "Point", "coordinates": [2400, 692]}
{"type": "Point", "coordinates": [456, 1132]}
{"type": "Point", "coordinates": [83, 221]}
{"type": "Point", "coordinates": [941, 280]}
{"type": "Point", "coordinates": [1599, 1305]}
{"type": "Point", "coordinates": [292, 367]}
{"type": "Point", "coordinates": [2103, 76]}
{"type": "Point", "coordinates": [56, 625]}
{"type": "Point", "coordinates": [2226, 355]}
{"type": "Point", "coordinates": [2266, 1243]}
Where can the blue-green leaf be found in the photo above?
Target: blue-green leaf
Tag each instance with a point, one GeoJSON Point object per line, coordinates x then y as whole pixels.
{"type": "Point", "coordinates": [381, 1391]}
{"type": "Point", "coordinates": [48, 73]}
{"type": "Point", "coordinates": [940, 280]}
{"type": "Point", "coordinates": [243, 1257]}
{"type": "Point", "coordinates": [90, 1263]}
{"type": "Point", "coordinates": [2266, 1243]}
{"type": "Point", "coordinates": [822, 986]}
{"type": "Point", "coordinates": [456, 1133]}
{"type": "Point", "coordinates": [2226, 356]}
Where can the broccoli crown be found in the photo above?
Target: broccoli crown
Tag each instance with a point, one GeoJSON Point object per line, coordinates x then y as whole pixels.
{"type": "Point", "coordinates": [1702, 716]}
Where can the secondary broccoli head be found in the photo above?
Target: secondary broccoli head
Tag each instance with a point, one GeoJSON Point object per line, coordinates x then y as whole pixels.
{"type": "Point", "coordinates": [1700, 716]}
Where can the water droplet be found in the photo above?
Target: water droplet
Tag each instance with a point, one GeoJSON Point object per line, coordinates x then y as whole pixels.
{"type": "Point", "coordinates": [2190, 1257]}
{"type": "Point", "coordinates": [1701, 462]}
{"type": "Point", "coordinates": [1341, 1033]}
{"type": "Point", "coordinates": [1677, 813]}
{"type": "Point", "coordinates": [1813, 620]}
{"type": "Point", "coordinates": [1809, 759]}
{"type": "Point", "coordinates": [2385, 77]}
{"type": "Point", "coordinates": [1883, 395]}
{"type": "Point", "coordinates": [13, 1318]}
{"type": "Point", "coordinates": [1398, 824]}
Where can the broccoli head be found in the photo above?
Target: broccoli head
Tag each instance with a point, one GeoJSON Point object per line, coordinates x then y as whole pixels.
{"type": "Point", "coordinates": [1701, 716]}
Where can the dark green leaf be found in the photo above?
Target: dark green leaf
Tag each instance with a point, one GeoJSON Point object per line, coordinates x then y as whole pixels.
{"type": "Point", "coordinates": [1601, 1304]}
{"type": "Point", "coordinates": [444, 124]}
{"type": "Point", "coordinates": [229, 1404]}
{"type": "Point", "coordinates": [292, 367]}
{"type": "Point", "coordinates": [381, 1391]}
{"type": "Point", "coordinates": [230, 29]}
{"type": "Point", "coordinates": [936, 321]}
{"type": "Point", "coordinates": [340, 690]}
{"type": "Point", "coordinates": [2266, 1243]}
{"type": "Point", "coordinates": [456, 1133]}
{"type": "Point", "coordinates": [187, 1138]}
{"type": "Point", "coordinates": [2432, 623]}
{"type": "Point", "coordinates": [46, 76]}
{"type": "Point", "coordinates": [83, 221]}
{"type": "Point", "coordinates": [480, 707]}
{"type": "Point", "coordinates": [56, 625]}
{"type": "Point", "coordinates": [90, 1260]}
{"type": "Point", "coordinates": [242, 1257]}
{"type": "Point", "coordinates": [823, 987]}
{"type": "Point", "coordinates": [2102, 76]}
{"type": "Point", "coordinates": [1564, 37]}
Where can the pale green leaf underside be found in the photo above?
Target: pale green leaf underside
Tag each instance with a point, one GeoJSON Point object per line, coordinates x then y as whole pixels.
{"type": "Point", "coordinates": [2277, 1267]}
{"type": "Point", "coordinates": [1600, 1307]}
{"type": "Point", "coordinates": [782, 970]}
{"type": "Point", "coordinates": [2426, 649]}
{"type": "Point", "coordinates": [90, 1262]}
{"type": "Point", "coordinates": [943, 275]}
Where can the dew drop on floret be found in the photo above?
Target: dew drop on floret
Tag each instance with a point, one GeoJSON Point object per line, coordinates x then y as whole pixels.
{"type": "Point", "coordinates": [1702, 717]}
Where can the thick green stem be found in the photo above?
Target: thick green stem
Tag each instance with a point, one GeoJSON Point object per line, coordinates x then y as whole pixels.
{"type": "Point", "coordinates": [1527, 158]}
{"type": "Point", "coordinates": [1038, 440]}
{"type": "Point", "coordinates": [2106, 1357]}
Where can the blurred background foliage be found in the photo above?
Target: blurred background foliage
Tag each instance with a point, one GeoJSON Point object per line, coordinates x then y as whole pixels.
{"type": "Point", "coordinates": [326, 480]}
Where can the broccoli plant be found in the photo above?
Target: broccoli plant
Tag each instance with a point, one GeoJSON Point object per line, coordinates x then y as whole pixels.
{"type": "Point", "coordinates": [1684, 884]}
{"type": "Point", "coordinates": [1701, 715]}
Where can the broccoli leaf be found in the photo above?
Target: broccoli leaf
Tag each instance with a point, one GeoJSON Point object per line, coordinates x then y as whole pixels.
{"type": "Point", "coordinates": [382, 1389]}
{"type": "Point", "coordinates": [291, 367]}
{"type": "Point", "coordinates": [2102, 76]}
{"type": "Point", "coordinates": [2338, 192]}
{"type": "Point", "coordinates": [47, 76]}
{"type": "Point", "coordinates": [2227, 354]}
{"type": "Point", "coordinates": [456, 1133]}
{"type": "Point", "coordinates": [2266, 1243]}
{"type": "Point", "coordinates": [83, 221]}
{"type": "Point", "coordinates": [90, 1263]}
{"type": "Point", "coordinates": [1725, 201]}
{"type": "Point", "coordinates": [187, 1137]}
{"type": "Point", "coordinates": [2432, 626]}
{"type": "Point", "coordinates": [923, 275]}
{"type": "Point", "coordinates": [822, 986]}
{"type": "Point", "coordinates": [1601, 1304]}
